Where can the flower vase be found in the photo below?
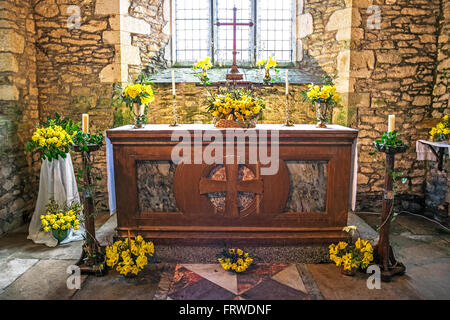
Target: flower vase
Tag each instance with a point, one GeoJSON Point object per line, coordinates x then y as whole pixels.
{"type": "Point", "coordinates": [267, 77]}
{"type": "Point", "coordinates": [322, 110]}
{"type": "Point", "coordinates": [139, 111]}
{"type": "Point", "coordinates": [60, 235]}
{"type": "Point", "coordinates": [349, 273]}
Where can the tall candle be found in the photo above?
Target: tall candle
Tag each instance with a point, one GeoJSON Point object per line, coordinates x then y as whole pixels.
{"type": "Point", "coordinates": [85, 123]}
{"type": "Point", "coordinates": [173, 83]}
{"type": "Point", "coordinates": [287, 82]}
{"type": "Point", "coordinates": [391, 122]}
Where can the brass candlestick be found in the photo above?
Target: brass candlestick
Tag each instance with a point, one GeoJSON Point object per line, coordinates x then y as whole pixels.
{"type": "Point", "coordinates": [288, 122]}
{"type": "Point", "coordinates": [174, 109]}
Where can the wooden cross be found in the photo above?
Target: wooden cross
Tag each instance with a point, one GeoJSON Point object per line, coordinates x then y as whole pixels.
{"type": "Point", "coordinates": [231, 186]}
{"type": "Point", "coordinates": [234, 73]}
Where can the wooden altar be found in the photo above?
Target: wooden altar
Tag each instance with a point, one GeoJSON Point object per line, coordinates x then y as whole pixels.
{"type": "Point", "coordinates": [305, 201]}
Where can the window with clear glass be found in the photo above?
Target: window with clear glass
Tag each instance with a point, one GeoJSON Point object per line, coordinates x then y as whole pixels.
{"type": "Point", "coordinates": [197, 34]}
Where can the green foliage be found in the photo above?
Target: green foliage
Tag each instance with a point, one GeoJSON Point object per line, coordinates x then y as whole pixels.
{"type": "Point", "coordinates": [53, 143]}
{"type": "Point", "coordinates": [391, 140]}
{"type": "Point", "coordinates": [82, 140]}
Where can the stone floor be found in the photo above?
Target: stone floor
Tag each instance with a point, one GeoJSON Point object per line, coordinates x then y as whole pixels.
{"type": "Point", "coordinates": [29, 271]}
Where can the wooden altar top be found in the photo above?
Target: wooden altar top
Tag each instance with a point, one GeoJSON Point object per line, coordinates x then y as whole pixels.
{"type": "Point", "coordinates": [299, 132]}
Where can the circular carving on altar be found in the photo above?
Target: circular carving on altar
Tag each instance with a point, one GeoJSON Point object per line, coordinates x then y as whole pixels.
{"type": "Point", "coordinates": [246, 201]}
{"type": "Point", "coordinates": [211, 193]}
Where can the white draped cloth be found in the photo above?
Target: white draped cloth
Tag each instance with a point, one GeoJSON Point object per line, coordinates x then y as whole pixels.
{"type": "Point", "coordinates": [58, 182]}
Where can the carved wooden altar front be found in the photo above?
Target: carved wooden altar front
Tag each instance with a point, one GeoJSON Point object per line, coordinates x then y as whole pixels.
{"type": "Point", "coordinates": [306, 200]}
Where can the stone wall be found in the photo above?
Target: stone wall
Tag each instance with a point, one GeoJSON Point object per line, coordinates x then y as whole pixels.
{"type": "Point", "coordinates": [70, 59]}
{"type": "Point", "coordinates": [393, 72]}
{"type": "Point", "coordinates": [18, 113]}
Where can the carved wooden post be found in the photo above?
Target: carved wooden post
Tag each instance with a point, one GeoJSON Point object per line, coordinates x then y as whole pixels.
{"type": "Point", "coordinates": [91, 243]}
{"type": "Point", "coordinates": [383, 250]}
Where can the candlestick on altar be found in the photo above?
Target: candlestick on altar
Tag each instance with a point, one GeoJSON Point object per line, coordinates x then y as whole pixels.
{"type": "Point", "coordinates": [391, 122]}
{"type": "Point", "coordinates": [85, 123]}
{"type": "Point", "coordinates": [174, 110]}
{"type": "Point", "coordinates": [173, 83]}
{"type": "Point", "coordinates": [287, 82]}
{"type": "Point", "coordinates": [288, 122]}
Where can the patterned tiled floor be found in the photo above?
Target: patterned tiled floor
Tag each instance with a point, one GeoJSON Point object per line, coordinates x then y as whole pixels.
{"type": "Point", "coordinates": [259, 282]}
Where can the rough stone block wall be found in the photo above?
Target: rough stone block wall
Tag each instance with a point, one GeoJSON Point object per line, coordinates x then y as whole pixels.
{"type": "Point", "coordinates": [18, 113]}
{"type": "Point", "coordinates": [393, 71]}
{"type": "Point", "coordinates": [69, 61]}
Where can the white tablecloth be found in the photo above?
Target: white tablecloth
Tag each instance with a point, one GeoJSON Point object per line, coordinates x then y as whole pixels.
{"type": "Point", "coordinates": [424, 152]}
{"type": "Point", "coordinates": [57, 181]}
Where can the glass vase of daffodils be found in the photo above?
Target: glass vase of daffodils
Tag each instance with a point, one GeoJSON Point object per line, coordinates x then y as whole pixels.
{"type": "Point", "coordinates": [350, 256]}
{"type": "Point", "coordinates": [59, 220]}
{"type": "Point", "coordinates": [234, 259]}
{"type": "Point", "coordinates": [137, 96]}
{"type": "Point", "coordinates": [129, 256]}
{"type": "Point", "coordinates": [441, 132]}
{"type": "Point", "coordinates": [268, 64]}
{"type": "Point", "coordinates": [200, 70]}
{"type": "Point", "coordinates": [324, 98]}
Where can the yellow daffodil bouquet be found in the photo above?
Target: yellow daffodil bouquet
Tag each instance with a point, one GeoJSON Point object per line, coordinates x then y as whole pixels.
{"type": "Point", "coordinates": [441, 132]}
{"type": "Point", "coordinates": [53, 138]}
{"type": "Point", "coordinates": [59, 220]}
{"type": "Point", "coordinates": [324, 97]}
{"type": "Point", "coordinates": [351, 255]}
{"type": "Point", "coordinates": [235, 108]}
{"type": "Point", "coordinates": [234, 259]}
{"type": "Point", "coordinates": [269, 64]}
{"type": "Point", "coordinates": [137, 96]}
{"type": "Point", "coordinates": [129, 256]}
{"type": "Point", "coordinates": [200, 69]}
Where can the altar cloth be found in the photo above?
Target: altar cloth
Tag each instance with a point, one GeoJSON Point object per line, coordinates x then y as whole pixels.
{"type": "Point", "coordinates": [204, 127]}
{"type": "Point", "coordinates": [423, 149]}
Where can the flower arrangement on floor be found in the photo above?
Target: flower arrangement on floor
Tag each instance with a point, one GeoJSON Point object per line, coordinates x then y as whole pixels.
{"type": "Point", "coordinates": [234, 259]}
{"type": "Point", "coordinates": [269, 64]}
{"type": "Point", "coordinates": [235, 108]}
{"type": "Point", "coordinates": [324, 98]}
{"type": "Point", "coordinates": [351, 255]}
{"type": "Point", "coordinates": [59, 220]}
{"type": "Point", "coordinates": [200, 69]}
{"type": "Point", "coordinates": [137, 96]}
{"type": "Point", "coordinates": [441, 132]}
{"type": "Point", "coordinates": [129, 256]}
{"type": "Point", "coordinates": [53, 137]}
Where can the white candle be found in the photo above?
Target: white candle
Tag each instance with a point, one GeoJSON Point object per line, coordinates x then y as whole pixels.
{"type": "Point", "coordinates": [391, 122]}
{"type": "Point", "coordinates": [85, 123]}
{"type": "Point", "coordinates": [287, 82]}
{"type": "Point", "coordinates": [173, 83]}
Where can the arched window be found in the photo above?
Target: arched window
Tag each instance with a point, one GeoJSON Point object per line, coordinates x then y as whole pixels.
{"type": "Point", "coordinates": [197, 34]}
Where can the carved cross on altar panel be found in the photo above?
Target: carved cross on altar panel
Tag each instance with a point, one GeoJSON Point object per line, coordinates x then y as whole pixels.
{"type": "Point", "coordinates": [234, 72]}
{"type": "Point", "coordinates": [231, 186]}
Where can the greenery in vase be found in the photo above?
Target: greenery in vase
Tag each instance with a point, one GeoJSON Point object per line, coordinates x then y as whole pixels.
{"type": "Point", "coordinates": [353, 254]}
{"type": "Point", "coordinates": [83, 140]}
{"type": "Point", "coordinates": [234, 259]}
{"type": "Point", "coordinates": [441, 131]}
{"type": "Point", "coordinates": [269, 64]}
{"type": "Point", "coordinates": [139, 92]}
{"type": "Point", "coordinates": [390, 141]}
{"type": "Point", "coordinates": [60, 218]}
{"type": "Point", "coordinates": [53, 137]}
{"type": "Point", "coordinates": [200, 70]}
{"type": "Point", "coordinates": [129, 256]}
{"type": "Point", "coordinates": [325, 93]}
{"type": "Point", "coordinates": [241, 105]}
